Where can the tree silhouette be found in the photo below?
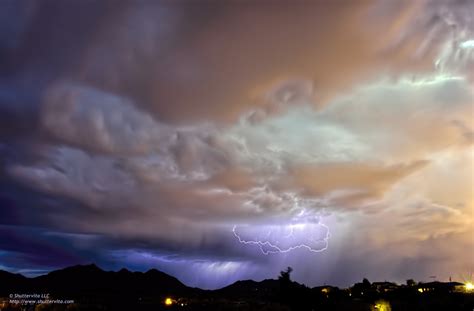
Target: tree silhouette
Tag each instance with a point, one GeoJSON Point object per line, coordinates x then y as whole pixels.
{"type": "Point", "coordinates": [362, 289]}
{"type": "Point", "coordinates": [285, 275]}
{"type": "Point", "coordinates": [285, 285]}
{"type": "Point", "coordinates": [411, 282]}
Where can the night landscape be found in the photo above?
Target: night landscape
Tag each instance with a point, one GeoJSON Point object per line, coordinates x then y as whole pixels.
{"type": "Point", "coordinates": [237, 155]}
{"type": "Point", "coordinates": [88, 287]}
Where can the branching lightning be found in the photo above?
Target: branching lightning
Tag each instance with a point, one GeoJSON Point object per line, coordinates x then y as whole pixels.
{"type": "Point", "coordinates": [273, 239]}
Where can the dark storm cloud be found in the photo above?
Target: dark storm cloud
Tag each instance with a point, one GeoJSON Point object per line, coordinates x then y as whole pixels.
{"type": "Point", "coordinates": [50, 37]}
{"type": "Point", "coordinates": [29, 247]}
{"type": "Point", "coordinates": [15, 19]}
{"type": "Point", "coordinates": [40, 43]}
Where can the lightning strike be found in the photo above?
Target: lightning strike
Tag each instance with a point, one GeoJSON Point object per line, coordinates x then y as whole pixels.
{"type": "Point", "coordinates": [273, 239]}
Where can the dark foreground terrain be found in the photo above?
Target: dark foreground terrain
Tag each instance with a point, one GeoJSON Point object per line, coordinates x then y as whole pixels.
{"type": "Point", "coordinates": [90, 288]}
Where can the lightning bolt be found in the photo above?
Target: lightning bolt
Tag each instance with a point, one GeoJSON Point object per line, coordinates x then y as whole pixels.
{"type": "Point", "coordinates": [272, 247]}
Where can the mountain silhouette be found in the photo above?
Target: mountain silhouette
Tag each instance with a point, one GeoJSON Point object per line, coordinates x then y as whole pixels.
{"type": "Point", "coordinates": [91, 280]}
{"type": "Point", "coordinates": [10, 281]}
{"type": "Point", "coordinates": [249, 288]}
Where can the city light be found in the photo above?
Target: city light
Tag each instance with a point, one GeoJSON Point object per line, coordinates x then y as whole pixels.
{"type": "Point", "coordinates": [168, 301]}
{"type": "Point", "coordinates": [469, 287]}
{"type": "Point", "coordinates": [382, 305]}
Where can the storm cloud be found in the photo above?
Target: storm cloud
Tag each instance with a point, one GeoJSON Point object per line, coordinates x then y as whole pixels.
{"type": "Point", "coordinates": [146, 134]}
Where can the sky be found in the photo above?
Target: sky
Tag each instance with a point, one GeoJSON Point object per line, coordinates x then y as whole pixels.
{"type": "Point", "coordinates": [226, 140]}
